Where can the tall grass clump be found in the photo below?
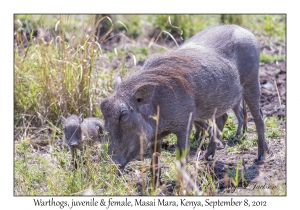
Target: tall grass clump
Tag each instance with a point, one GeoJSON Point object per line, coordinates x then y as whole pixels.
{"type": "Point", "coordinates": [56, 76]}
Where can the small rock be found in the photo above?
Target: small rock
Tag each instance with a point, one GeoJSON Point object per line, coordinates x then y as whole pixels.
{"type": "Point", "coordinates": [268, 86]}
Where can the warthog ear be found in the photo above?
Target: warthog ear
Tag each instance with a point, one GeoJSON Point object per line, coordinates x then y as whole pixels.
{"type": "Point", "coordinates": [144, 94]}
{"type": "Point", "coordinates": [63, 120]}
{"type": "Point", "coordinates": [117, 81]}
{"type": "Point", "coordinates": [81, 118]}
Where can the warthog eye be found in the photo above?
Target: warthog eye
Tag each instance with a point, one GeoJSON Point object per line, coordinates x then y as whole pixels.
{"type": "Point", "coordinates": [122, 114]}
{"type": "Point", "coordinates": [139, 100]}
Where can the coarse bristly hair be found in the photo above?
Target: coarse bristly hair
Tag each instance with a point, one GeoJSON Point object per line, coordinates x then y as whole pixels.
{"type": "Point", "coordinates": [168, 69]}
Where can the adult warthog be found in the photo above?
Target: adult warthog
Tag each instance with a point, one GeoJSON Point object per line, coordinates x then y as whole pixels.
{"type": "Point", "coordinates": [206, 76]}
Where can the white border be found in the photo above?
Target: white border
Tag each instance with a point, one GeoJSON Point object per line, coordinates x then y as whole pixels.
{"type": "Point", "coordinates": [8, 201]}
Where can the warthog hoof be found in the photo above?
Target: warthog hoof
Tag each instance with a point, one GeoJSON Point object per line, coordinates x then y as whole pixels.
{"type": "Point", "coordinates": [261, 157]}
{"type": "Point", "coordinates": [262, 152]}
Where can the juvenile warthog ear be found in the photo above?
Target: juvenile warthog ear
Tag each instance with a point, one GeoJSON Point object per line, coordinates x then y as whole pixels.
{"type": "Point", "coordinates": [144, 93]}
{"type": "Point", "coordinates": [117, 81]}
{"type": "Point", "coordinates": [63, 120]}
{"type": "Point", "coordinates": [81, 118]}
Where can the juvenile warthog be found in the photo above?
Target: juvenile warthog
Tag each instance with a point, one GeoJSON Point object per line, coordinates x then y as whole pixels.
{"type": "Point", "coordinates": [209, 74]}
{"type": "Point", "coordinates": [78, 130]}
